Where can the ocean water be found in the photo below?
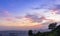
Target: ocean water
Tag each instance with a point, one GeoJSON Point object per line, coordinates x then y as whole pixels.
{"type": "Point", "coordinates": [13, 33]}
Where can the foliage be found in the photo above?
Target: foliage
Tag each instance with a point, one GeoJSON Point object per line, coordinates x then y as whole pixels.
{"type": "Point", "coordinates": [54, 32]}
{"type": "Point", "coordinates": [52, 25]}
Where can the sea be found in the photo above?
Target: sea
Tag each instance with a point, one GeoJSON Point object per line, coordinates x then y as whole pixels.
{"type": "Point", "coordinates": [13, 33]}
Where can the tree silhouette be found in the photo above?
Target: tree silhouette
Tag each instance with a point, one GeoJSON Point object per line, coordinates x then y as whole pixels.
{"type": "Point", "coordinates": [30, 33]}
{"type": "Point", "coordinates": [38, 33]}
{"type": "Point", "coordinates": [57, 29]}
{"type": "Point", "coordinates": [54, 32]}
{"type": "Point", "coordinates": [52, 25]}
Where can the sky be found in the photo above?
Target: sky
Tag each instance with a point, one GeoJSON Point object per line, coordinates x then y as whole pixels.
{"type": "Point", "coordinates": [28, 14]}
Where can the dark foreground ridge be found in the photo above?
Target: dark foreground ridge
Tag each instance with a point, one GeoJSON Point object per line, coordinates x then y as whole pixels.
{"type": "Point", "coordinates": [55, 31]}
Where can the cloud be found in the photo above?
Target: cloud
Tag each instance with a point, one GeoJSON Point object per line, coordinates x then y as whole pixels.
{"type": "Point", "coordinates": [5, 13]}
{"type": "Point", "coordinates": [8, 18]}
{"type": "Point", "coordinates": [58, 6]}
{"type": "Point", "coordinates": [31, 21]}
{"type": "Point", "coordinates": [34, 17]}
{"type": "Point", "coordinates": [40, 17]}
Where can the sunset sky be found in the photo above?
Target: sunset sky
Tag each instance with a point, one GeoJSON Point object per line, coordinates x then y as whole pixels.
{"type": "Point", "coordinates": [28, 14]}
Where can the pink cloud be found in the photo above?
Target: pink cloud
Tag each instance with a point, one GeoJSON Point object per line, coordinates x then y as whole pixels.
{"type": "Point", "coordinates": [6, 13]}
{"type": "Point", "coordinates": [8, 18]}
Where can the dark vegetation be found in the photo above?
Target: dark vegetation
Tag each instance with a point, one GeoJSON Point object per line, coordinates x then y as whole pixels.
{"type": "Point", "coordinates": [55, 31]}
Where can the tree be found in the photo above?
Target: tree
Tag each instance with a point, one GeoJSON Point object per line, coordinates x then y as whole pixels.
{"type": "Point", "coordinates": [38, 33]}
{"type": "Point", "coordinates": [52, 25]}
{"type": "Point", "coordinates": [58, 30]}
{"type": "Point", "coordinates": [30, 33]}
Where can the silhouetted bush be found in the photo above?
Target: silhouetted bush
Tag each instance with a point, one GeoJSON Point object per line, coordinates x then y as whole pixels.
{"type": "Point", "coordinates": [54, 32]}
{"type": "Point", "coordinates": [38, 33]}
{"type": "Point", "coordinates": [52, 25]}
{"type": "Point", "coordinates": [30, 33]}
